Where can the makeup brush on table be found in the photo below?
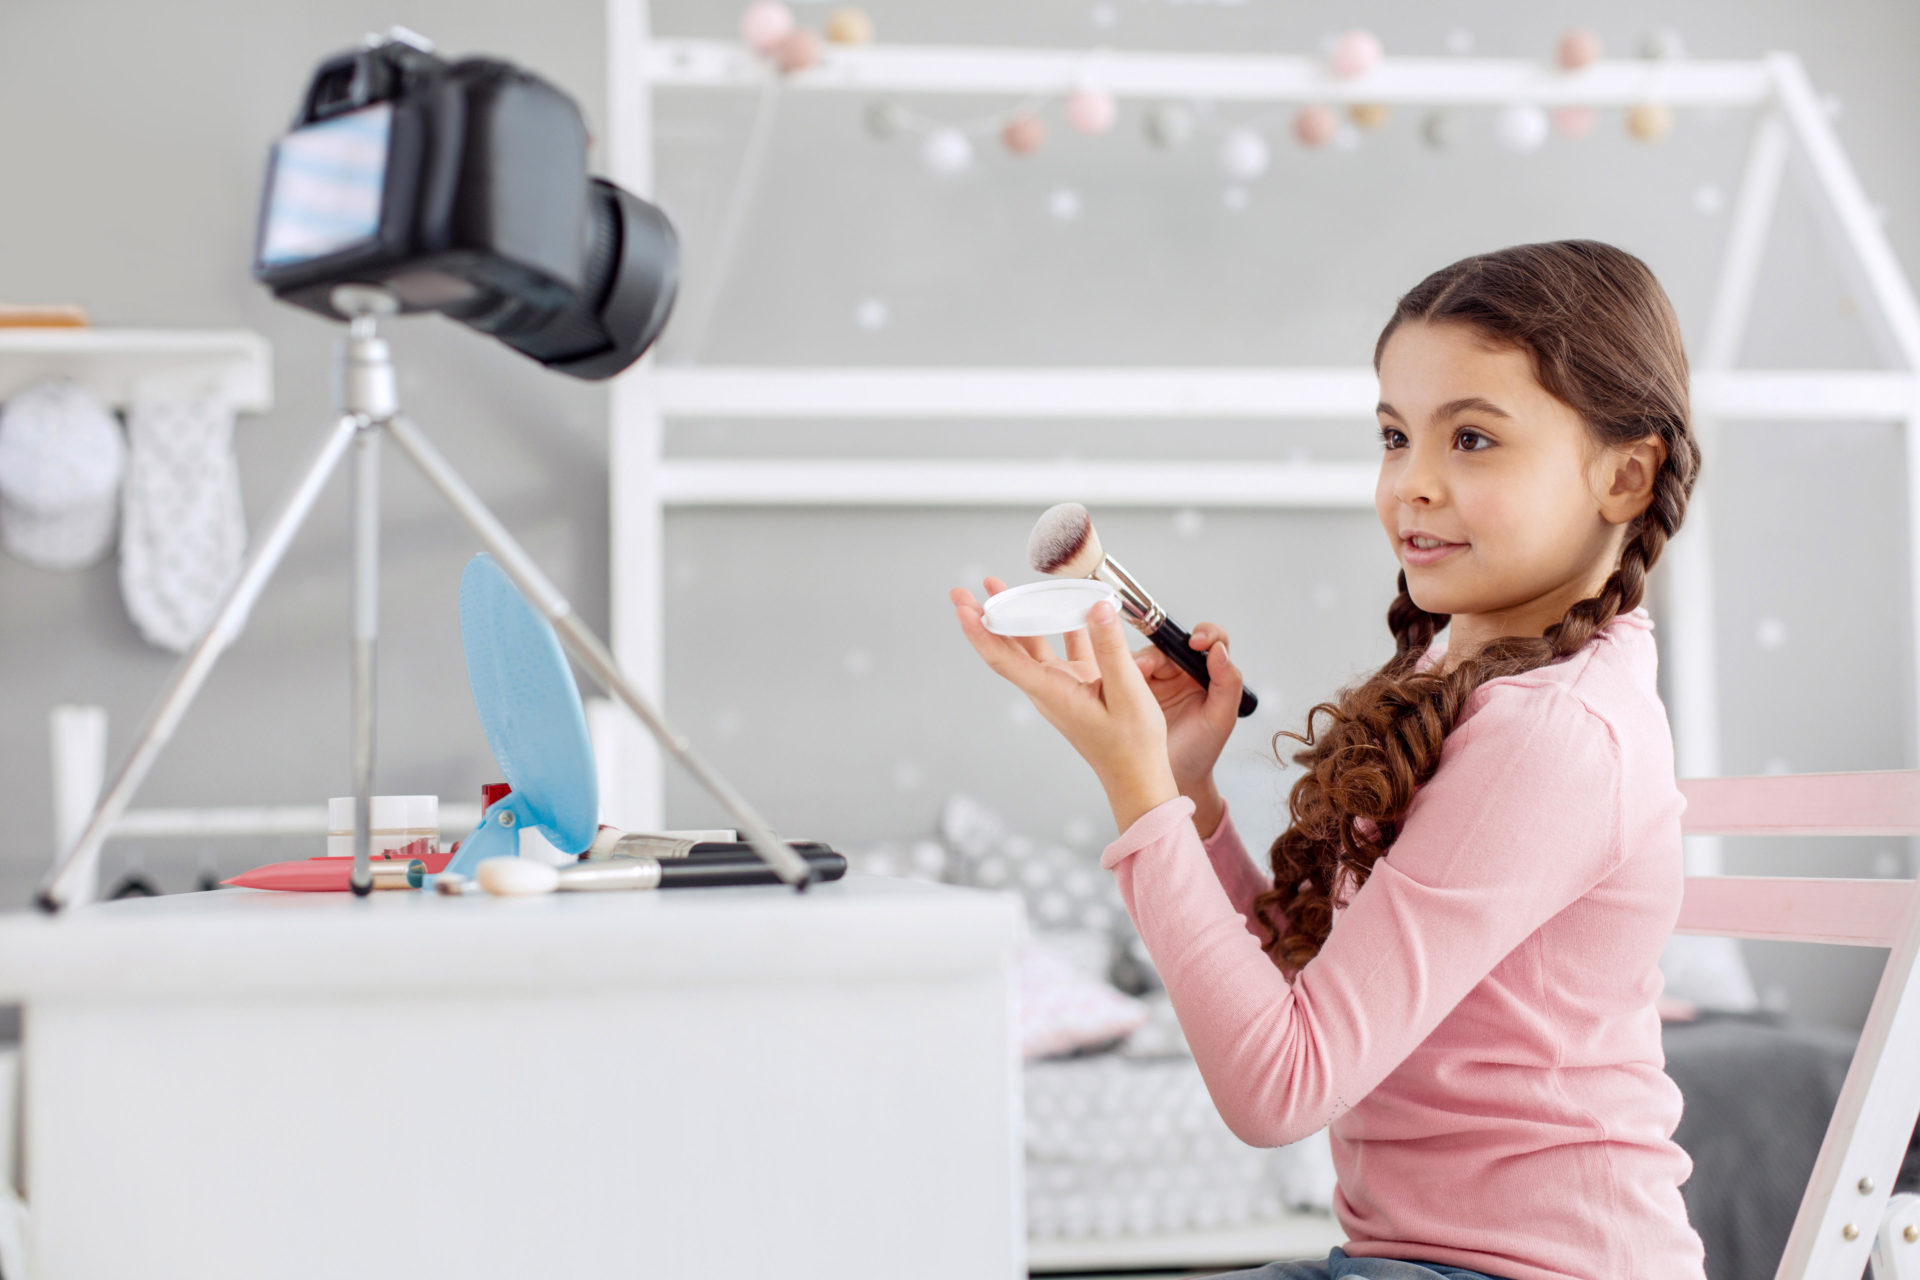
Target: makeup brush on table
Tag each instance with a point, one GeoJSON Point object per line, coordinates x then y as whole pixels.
{"type": "Point", "coordinates": [1064, 545]}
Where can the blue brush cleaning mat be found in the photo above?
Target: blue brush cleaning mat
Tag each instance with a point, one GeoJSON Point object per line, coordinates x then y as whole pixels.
{"type": "Point", "coordinates": [529, 707]}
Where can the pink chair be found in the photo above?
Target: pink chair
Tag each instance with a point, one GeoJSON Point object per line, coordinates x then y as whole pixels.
{"type": "Point", "coordinates": [1849, 1213]}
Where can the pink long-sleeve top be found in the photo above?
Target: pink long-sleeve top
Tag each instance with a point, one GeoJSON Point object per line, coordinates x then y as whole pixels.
{"type": "Point", "coordinates": [1479, 1028]}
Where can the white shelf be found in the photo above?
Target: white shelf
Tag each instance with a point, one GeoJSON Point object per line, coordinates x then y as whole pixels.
{"type": "Point", "coordinates": [1037, 483]}
{"type": "Point", "coordinates": [1218, 77]}
{"type": "Point", "coordinates": [1297, 1235]}
{"type": "Point", "coordinates": [235, 365]}
{"type": "Point", "coordinates": [1196, 394]}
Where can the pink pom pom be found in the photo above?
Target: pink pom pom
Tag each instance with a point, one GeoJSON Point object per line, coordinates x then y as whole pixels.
{"type": "Point", "coordinates": [1315, 126]}
{"type": "Point", "coordinates": [1023, 134]}
{"type": "Point", "coordinates": [1573, 122]}
{"type": "Point", "coordinates": [1090, 111]}
{"type": "Point", "coordinates": [800, 50]}
{"type": "Point", "coordinates": [1578, 48]}
{"type": "Point", "coordinates": [1354, 54]}
{"type": "Point", "coordinates": [765, 24]}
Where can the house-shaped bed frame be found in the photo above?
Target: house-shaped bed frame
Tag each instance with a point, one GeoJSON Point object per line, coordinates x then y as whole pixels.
{"type": "Point", "coordinates": [1847, 1205]}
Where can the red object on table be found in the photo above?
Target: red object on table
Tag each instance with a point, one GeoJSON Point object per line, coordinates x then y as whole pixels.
{"type": "Point", "coordinates": [332, 875]}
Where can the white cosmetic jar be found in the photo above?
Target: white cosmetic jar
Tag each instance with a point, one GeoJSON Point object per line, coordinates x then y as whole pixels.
{"type": "Point", "coordinates": [397, 822]}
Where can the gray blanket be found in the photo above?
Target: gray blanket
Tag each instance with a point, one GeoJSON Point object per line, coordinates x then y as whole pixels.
{"type": "Point", "coordinates": [1759, 1091]}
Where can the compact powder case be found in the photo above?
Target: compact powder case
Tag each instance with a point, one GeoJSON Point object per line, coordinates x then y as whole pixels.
{"type": "Point", "coordinates": [1050, 607]}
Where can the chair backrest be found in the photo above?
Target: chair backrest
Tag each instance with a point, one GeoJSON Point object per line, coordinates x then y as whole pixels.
{"type": "Point", "coordinates": [1874, 1119]}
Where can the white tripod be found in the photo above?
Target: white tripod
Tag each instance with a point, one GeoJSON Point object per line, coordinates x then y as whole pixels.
{"type": "Point", "coordinates": [369, 409]}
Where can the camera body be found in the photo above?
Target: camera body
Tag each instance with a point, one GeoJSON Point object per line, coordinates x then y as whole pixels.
{"type": "Point", "coordinates": [462, 187]}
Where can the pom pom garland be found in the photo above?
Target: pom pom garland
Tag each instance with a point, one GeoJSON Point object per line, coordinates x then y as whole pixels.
{"type": "Point", "coordinates": [800, 50]}
{"type": "Point", "coordinates": [887, 120]}
{"type": "Point", "coordinates": [1169, 126]}
{"type": "Point", "coordinates": [1315, 126]}
{"type": "Point", "coordinates": [1090, 111]}
{"type": "Point", "coordinates": [765, 23]}
{"type": "Point", "coordinates": [1650, 121]}
{"type": "Point", "coordinates": [1521, 127]}
{"type": "Point", "coordinates": [1574, 122]}
{"type": "Point", "coordinates": [1244, 154]}
{"type": "Point", "coordinates": [849, 26]}
{"type": "Point", "coordinates": [1369, 115]}
{"type": "Point", "coordinates": [1354, 54]}
{"type": "Point", "coordinates": [946, 151]}
{"type": "Point", "coordinates": [1578, 48]}
{"type": "Point", "coordinates": [1244, 150]}
{"type": "Point", "coordinates": [1023, 134]}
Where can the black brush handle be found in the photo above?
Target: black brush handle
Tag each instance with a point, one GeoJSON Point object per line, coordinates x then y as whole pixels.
{"type": "Point", "coordinates": [1173, 641]}
{"type": "Point", "coordinates": [748, 868]}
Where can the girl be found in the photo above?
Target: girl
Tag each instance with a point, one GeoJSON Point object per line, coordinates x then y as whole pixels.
{"type": "Point", "coordinates": [1454, 960]}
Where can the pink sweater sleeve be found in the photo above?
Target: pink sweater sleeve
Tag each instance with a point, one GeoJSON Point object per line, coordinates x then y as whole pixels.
{"type": "Point", "coordinates": [1520, 820]}
{"type": "Point", "coordinates": [1241, 879]}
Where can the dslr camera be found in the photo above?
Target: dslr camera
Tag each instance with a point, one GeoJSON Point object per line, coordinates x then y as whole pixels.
{"type": "Point", "coordinates": [462, 187]}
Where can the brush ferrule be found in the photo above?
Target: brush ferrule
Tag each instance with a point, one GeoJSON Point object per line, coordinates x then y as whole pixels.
{"type": "Point", "coordinates": [1139, 607]}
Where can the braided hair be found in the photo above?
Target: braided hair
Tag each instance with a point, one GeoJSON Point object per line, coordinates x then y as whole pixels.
{"type": "Point", "coordinates": [1603, 338]}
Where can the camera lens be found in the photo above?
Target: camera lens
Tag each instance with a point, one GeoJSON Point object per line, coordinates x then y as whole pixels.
{"type": "Point", "coordinates": [627, 290]}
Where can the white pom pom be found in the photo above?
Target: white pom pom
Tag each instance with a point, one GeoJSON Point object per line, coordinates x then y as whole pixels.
{"type": "Point", "coordinates": [1521, 127]}
{"type": "Point", "coordinates": [946, 151]}
{"type": "Point", "coordinates": [512, 876]}
{"type": "Point", "coordinates": [1244, 154]}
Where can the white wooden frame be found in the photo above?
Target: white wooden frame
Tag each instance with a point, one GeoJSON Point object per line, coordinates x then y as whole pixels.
{"type": "Point", "coordinates": [646, 484]}
{"type": "Point", "coordinates": [1848, 1202]}
{"type": "Point", "coordinates": [1851, 1182]}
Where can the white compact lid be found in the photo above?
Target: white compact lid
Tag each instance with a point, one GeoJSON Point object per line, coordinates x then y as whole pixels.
{"type": "Point", "coordinates": [390, 813]}
{"type": "Point", "coordinates": [1050, 607]}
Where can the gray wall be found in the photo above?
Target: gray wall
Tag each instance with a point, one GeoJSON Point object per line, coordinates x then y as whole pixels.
{"type": "Point", "coordinates": [813, 655]}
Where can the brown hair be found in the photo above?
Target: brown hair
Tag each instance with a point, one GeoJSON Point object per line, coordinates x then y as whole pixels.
{"type": "Point", "coordinates": [1602, 338]}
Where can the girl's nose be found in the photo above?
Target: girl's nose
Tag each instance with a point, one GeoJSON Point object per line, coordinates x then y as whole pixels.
{"type": "Point", "coordinates": [1419, 478]}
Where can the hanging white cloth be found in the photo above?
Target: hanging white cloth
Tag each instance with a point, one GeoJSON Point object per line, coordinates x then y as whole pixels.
{"type": "Point", "coordinates": [182, 531]}
{"type": "Point", "coordinates": [61, 461]}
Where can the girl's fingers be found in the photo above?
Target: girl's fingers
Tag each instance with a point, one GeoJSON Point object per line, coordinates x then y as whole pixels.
{"type": "Point", "coordinates": [1120, 677]}
{"type": "Point", "coordinates": [1046, 682]}
{"type": "Point", "coordinates": [1079, 648]}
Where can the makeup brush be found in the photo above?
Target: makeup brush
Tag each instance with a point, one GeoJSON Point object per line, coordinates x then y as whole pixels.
{"type": "Point", "coordinates": [1064, 545]}
{"type": "Point", "coordinates": [513, 877]}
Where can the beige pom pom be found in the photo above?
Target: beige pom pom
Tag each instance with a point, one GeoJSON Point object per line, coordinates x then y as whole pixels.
{"type": "Point", "coordinates": [850, 26]}
{"type": "Point", "coordinates": [1650, 121]}
{"type": "Point", "coordinates": [1369, 115]}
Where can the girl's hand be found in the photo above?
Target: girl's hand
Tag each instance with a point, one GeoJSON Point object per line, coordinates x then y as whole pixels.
{"type": "Point", "coordinates": [1199, 721]}
{"type": "Point", "coordinates": [1097, 698]}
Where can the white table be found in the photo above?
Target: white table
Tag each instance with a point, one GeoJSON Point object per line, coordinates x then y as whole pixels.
{"type": "Point", "coordinates": [692, 1083]}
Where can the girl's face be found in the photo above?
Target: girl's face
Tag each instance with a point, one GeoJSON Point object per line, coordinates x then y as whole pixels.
{"type": "Point", "coordinates": [1478, 454]}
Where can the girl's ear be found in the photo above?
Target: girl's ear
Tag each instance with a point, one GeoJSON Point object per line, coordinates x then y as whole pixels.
{"type": "Point", "coordinates": [1626, 478]}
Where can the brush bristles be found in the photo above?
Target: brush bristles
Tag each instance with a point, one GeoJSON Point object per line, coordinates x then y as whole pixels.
{"type": "Point", "coordinates": [1064, 543]}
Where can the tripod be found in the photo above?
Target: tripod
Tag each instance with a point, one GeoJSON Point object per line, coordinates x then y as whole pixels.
{"type": "Point", "coordinates": [370, 409]}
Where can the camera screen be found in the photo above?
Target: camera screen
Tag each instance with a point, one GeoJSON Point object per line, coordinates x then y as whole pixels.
{"type": "Point", "coordinates": [327, 181]}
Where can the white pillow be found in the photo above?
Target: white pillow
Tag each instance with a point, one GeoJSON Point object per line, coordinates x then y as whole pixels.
{"type": "Point", "coordinates": [1708, 972]}
{"type": "Point", "coordinates": [1062, 1009]}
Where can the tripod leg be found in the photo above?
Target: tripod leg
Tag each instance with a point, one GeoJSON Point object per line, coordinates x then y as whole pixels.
{"type": "Point", "coordinates": [366, 636]}
{"type": "Point", "coordinates": [585, 646]}
{"type": "Point", "coordinates": [71, 881]}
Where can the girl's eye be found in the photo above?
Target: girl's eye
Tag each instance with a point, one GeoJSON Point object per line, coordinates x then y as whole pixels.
{"type": "Point", "coordinates": [1390, 437]}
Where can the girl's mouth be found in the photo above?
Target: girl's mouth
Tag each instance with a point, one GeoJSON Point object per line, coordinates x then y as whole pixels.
{"type": "Point", "coordinates": [1427, 555]}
